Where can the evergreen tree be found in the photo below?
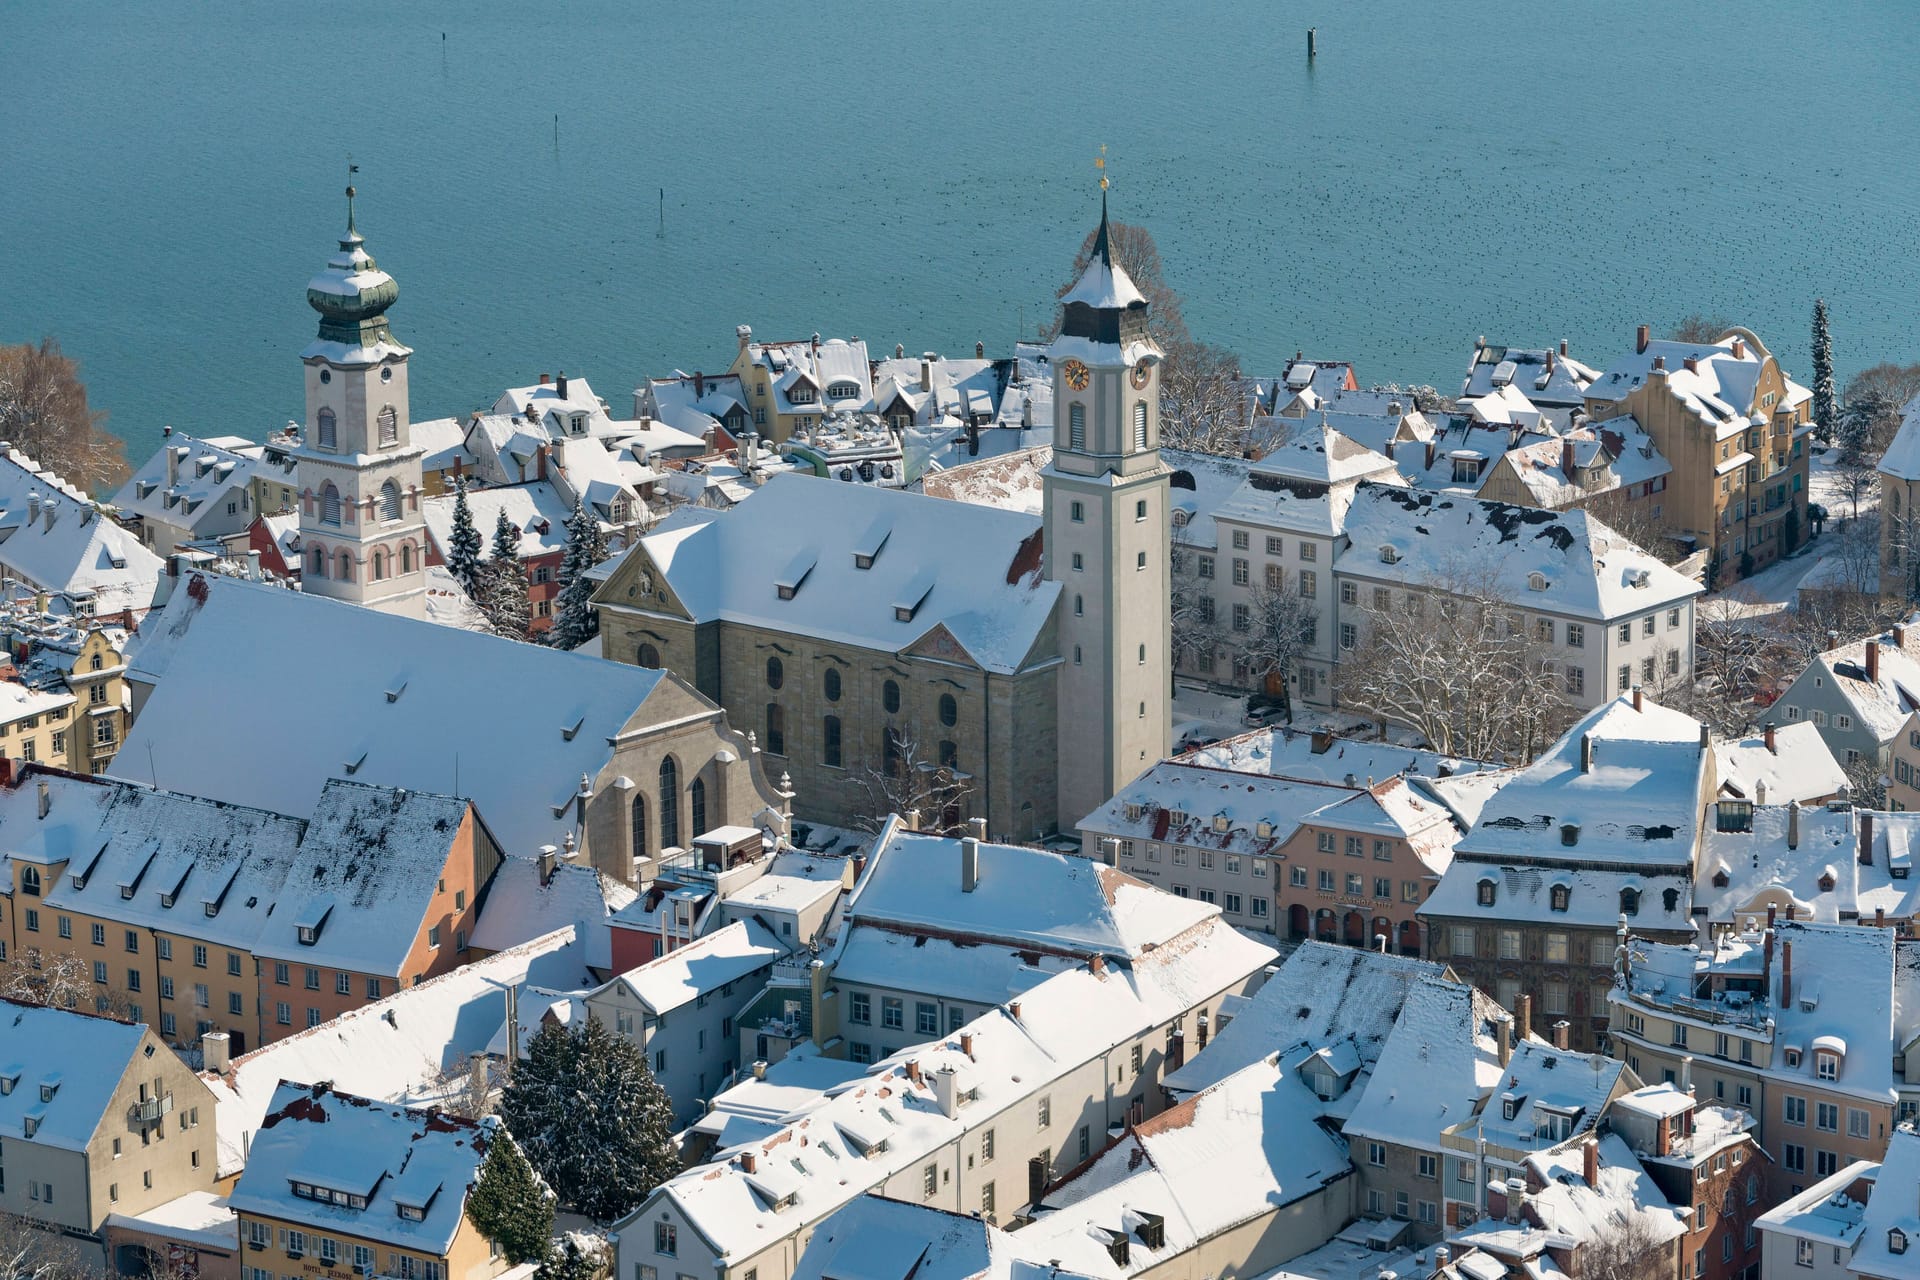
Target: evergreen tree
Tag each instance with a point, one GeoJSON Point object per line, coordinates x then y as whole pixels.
{"type": "Point", "coordinates": [576, 622]}
{"type": "Point", "coordinates": [570, 1262]}
{"type": "Point", "coordinates": [1825, 410]}
{"type": "Point", "coordinates": [501, 582]}
{"type": "Point", "coordinates": [509, 1203]}
{"type": "Point", "coordinates": [506, 540]}
{"type": "Point", "coordinates": [594, 1122]}
{"type": "Point", "coordinates": [463, 553]}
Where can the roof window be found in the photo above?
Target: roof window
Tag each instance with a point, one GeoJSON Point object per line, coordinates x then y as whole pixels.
{"type": "Point", "coordinates": [1536, 581]}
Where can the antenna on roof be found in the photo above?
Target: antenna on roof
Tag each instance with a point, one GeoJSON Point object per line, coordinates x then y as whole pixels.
{"type": "Point", "coordinates": [152, 772]}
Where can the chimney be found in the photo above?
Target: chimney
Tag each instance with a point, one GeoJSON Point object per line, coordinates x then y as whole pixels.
{"type": "Point", "coordinates": [1692, 364]}
{"type": "Point", "coordinates": [540, 462]}
{"type": "Point", "coordinates": [46, 798]}
{"type": "Point", "coordinates": [947, 1092]}
{"type": "Point", "coordinates": [969, 864]}
{"type": "Point", "coordinates": [215, 1052]}
{"type": "Point", "coordinates": [1096, 964]}
{"type": "Point", "coordinates": [759, 1068]}
{"type": "Point", "coordinates": [746, 1162]}
{"type": "Point", "coordinates": [33, 495]}
{"type": "Point", "coordinates": [1516, 1190]}
{"type": "Point", "coordinates": [913, 1070]}
{"type": "Point", "coordinates": [977, 828]}
{"type": "Point", "coordinates": [1394, 410]}
{"type": "Point", "coordinates": [1566, 456]}
{"type": "Point", "coordinates": [1873, 661]}
{"type": "Point", "coordinates": [816, 347]}
{"type": "Point", "coordinates": [1773, 747]}
{"type": "Point", "coordinates": [1503, 1040]}
{"type": "Point", "coordinates": [1786, 973]}
{"type": "Point", "coordinates": [1590, 1157]}
{"type": "Point", "coordinates": [1549, 359]}
{"type": "Point", "coordinates": [979, 351]}
{"type": "Point", "coordinates": [1686, 1073]}
{"type": "Point", "coordinates": [545, 378]}
{"type": "Point", "coordinates": [966, 1043]}
{"type": "Point", "coordinates": [1880, 917]}
{"type": "Point", "coordinates": [912, 819]}
{"type": "Point", "coordinates": [560, 385]}
{"type": "Point", "coordinates": [1320, 741]}
{"type": "Point", "coordinates": [899, 351]}
{"type": "Point", "coordinates": [926, 371]}
{"type": "Point", "coordinates": [1563, 347]}
{"type": "Point", "coordinates": [1640, 337]}
{"type": "Point", "coordinates": [1739, 348]}
{"type": "Point", "coordinates": [1522, 1017]}
{"type": "Point", "coordinates": [699, 384]}
{"type": "Point", "coordinates": [1866, 838]}
{"type": "Point", "coordinates": [1766, 954]}
{"type": "Point", "coordinates": [1441, 1257]}
{"type": "Point", "coordinates": [1636, 698]}
{"type": "Point", "coordinates": [1760, 792]}
{"type": "Point", "coordinates": [1430, 449]}
{"type": "Point", "coordinates": [1013, 1010]}
{"type": "Point", "coordinates": [549, 859]}
{"type": "Point", "coordinates": [1706, 736]}
{"type": "Point", "coordinates": [1660, 365]}
{"type": "Point", "coordinates": [1900, 635]}
{"type": "Point", "coordinates": [1586, 753]}
{"type": "Point", "coordinates": [1110, 851]}
{"type": "Point", "coordinates": [1562, 1033]}
{"type": "Point", "coordinates": [744, 333]}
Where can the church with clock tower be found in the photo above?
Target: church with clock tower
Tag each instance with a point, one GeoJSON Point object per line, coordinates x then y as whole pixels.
{"type": "Point", "coordinates": [1106, 518]}
{"type": "Point", "coordinates": [362, 534]}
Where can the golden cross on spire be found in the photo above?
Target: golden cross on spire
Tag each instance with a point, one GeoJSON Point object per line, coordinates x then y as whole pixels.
{"type": "Point", "coordinates": [1100, 163]}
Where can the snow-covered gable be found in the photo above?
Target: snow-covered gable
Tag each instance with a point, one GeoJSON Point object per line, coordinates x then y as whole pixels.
{"type": "Point", "coordinates": [1720, 389]}
{"type": "Point", "coordinates": [973, 571]}
{"type": "Point", "coordinates": [702, 966]}
{"type": "Point", "coordinates": [1437, 1064]}
{"type": "Point", "coordinates": [1323, 995]}
{"type": "Point", "coordinates": [445, 442]}
{"type": "Point", "coordinates": [1563, 1211]}
{"type": "Point", "coordinates": [1235, 1153]}
{"type": "Point", "coordinates": [410, 709]}
{"type": "Point", "coordinates": [1026, 898]}
{"type": "Point", "coordinates": [1564, 562]}
{"type": "Point", "coordinates": [61, 1070]}
{"type": "Point", "coordinates": [1308, 483]}
{"type": "Point", "coordinates": [1622, 786]}
{"type": "Point", "coordinates": [1902, 458]}
{"type": "Point", "coordinates": [1322, 757]}
{"type": "Point", "coordinates": [412, 1169]}
{"type": "Point", "coordinates": [519, 907]}
{"type": "Point", "coordinates": [1795, 765]}
{"type": "Point", "coordinates": [1461, 452]}
{"type": "Point", "coordinates": [816, 368]}
{"type": "Point", "coordinates": [933, 387]}
{"type": "Point", "coordinates": [759, 1106]}
{"type": "Point", "coordinates": [1544, 1097]}
{"type": "Point", "coordinates": [1548, 376]}
{"type": "Point", "coordinates": [1893, 1211]}
{"type": "Point", "coordinates": [411, 1047]}
{"type": "Point", "coordinates": [53, 537]}
{"type": "Point", "coordinates": [556, 404]}
{"type": "Point", "coordinates": [691, 405]}
{"type": "Point", "coordinates": [1881, 705]}
{"type": "Point", "coordinates": [1199, 484]}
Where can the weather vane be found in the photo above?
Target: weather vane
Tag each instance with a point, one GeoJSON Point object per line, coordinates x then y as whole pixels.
{"type": "Point", "coordinates": [352, 169]}
{"type": "Point", "coordinates": [1100, 163]}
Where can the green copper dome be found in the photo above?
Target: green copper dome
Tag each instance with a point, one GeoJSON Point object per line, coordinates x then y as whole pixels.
{"type": "Point", "coordinates": [352, 295]}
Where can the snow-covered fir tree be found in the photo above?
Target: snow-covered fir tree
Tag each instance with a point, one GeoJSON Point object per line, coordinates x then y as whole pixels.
{"type": "Point", "coordinates": [510, 1204]}
{"type": "Point", "coordinates": [463, 549]}
{"type": "Point", "coordinates": [594, 1122]}
{"type": "Point", "coordinates": [1825, 409]}
{"type": "Point", "coordinates": [501, 582]}
{"type": "Point", "coordinates": [575, 622]}
{"type": "Point", "coordinates": [578, 1257]}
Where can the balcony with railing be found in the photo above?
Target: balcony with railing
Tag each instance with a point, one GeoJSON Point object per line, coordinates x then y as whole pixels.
{"type": "Point", "coordinates": [150, 1111]}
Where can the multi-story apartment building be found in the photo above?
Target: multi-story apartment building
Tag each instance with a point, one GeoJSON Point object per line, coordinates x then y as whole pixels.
{"type": "Point", "coordinates": [1704, 1158]}
{"type": "Point", "coordinates": [1796, 1024]}
{"type": "Point", "coordinates": [1348, 862]}
{"type": "Point", "coordinates": [1859, 695]}
{"type": "Point", "coordinates": [1899, 469]}
{"type": "Point", "coordinates": [1734, 427]}
{"type": "Point", "coordinates": [1604, 825]}
{"type": "Point", "coordinates": [1812, 1236]}
{"type": "Point", "coordinates": [204, 490]}
{"type": "Point", "coordinates": [1827, 864]}
{"type": "Point", "coordinates": [338, 1187]}
{"type": "Point", "coordinates": [789, 386]}
{"type": "Point", "coordinates": [96, 1117]}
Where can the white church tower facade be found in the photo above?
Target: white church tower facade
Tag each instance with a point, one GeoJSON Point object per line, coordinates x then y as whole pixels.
{"type": "Point", "coordinates": [362, 533]}
{"type": "Point", "coordinates": [1106, 521]}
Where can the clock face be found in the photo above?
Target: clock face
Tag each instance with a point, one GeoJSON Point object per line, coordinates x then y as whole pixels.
{"type": "Point", "coordinates": [1139, 375]}
{"type": "Point", "coordinates": [1076, 374]}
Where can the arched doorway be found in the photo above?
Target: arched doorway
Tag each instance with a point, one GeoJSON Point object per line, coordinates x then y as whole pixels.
{"type": "Point", "coordinates": [1354, 930]}
{"type": "Point", "coordinates": [1324, 926]}
{"type": "Point", "coordinates": [1409, 938]}
{"type": "Point", "coordinates": [1299, 921]}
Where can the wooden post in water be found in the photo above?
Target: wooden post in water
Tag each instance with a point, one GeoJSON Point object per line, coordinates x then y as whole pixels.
{"type": "Point", "coordinates": [1312, 40]}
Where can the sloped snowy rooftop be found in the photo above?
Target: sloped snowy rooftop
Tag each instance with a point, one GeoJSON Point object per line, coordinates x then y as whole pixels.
{"type": "Point", "coordinates": [81, 1056]}
{"type": "Point", "coordinates": [706, 964]}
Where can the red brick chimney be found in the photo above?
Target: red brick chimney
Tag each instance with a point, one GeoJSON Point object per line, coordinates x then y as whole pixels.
{"type": "Point", "coordinates": [966, 1043]}
{"type": "Point", "coordinates": [1773, 747]}
{"type": "Point", "coordinates": [1562, 1030]}
{"type": "Point", "coordinates": [1739, 348]}
{"type": "Point", "coordinates": [1590, 1158]}
{"type": "Point", "coordinates": [1522, 1017]}
{"type": "Point", "coordinates": [1566, 457]}
{"type": "Point", "coordinates": [1692, 363]}
{"type": "Point", "coordinates": [913, 1070]}
{"type": "Point", "coordinates": [1873, 661]}
{"type": "Point", "coordinates": [1900, 635]}
{"type": "Point", "coordinates": [545, 379]}
{"type": "Point", "coordinates": [1640, 340]}
{"type": "Point", "coordinates": [746, 1162]}
{"type": "Point", "coordinates": [1660, 365]}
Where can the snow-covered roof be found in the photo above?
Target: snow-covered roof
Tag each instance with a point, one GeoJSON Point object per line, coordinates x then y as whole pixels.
{"type": "Point", "coordinates": [794, 881]}
{"type": "Point", "coordinates": [1105, 284]}
{"type": "Point", "coordinates": [1595, 898]}
{"type": "Point", "coordinates": [198, 1217]}
{"type": "Point", "coordinates": [1322, 995]}
{"type": "Point", "coordinates": [64, 1068]}
{"type": "Point", "coordinates": [1199, 485]}
{"type": "Point", "coordinates": [1463, 439]}
{"type": "Point", "coordinates": [1629, 782]}
{"type": "Point", "coordinates": [1831, 1211]}
{"type": "Point", "coordinates": [411, 1047]}
{"type": "Point", "coordinates": [422, 1162]}
{"type": "Point", "coordinates": [1759, 869]}
{"type": "Point", "coordinates": [1312, 756]}
{"type": "Point", "coordinates": [1354, 1254]}
{"type": "Point", "coordinates": [1571, 1212]}
{"type": "Point", "coordinates": [1541, 1082]}
{"type": "Point", "coordinates": [1236, 1153]}
{"type": "Point", "coordinates": [204, 473]}
{"type": "Point", "coordinates": [554, 402]}
{"type": "Point", "coordinates": [409, 709]}
{"type": "Point", "coordinates": [1894, 1206]}
{"type": "Point", "coordinates": [687, 406]}
{"type": "Point", "coordinates": [1548, 376]}
{"type": "Point", "coordinates": [1882, 705]}
{"type": "Point", "coordinates": [1027, 897]}
{"type": "Point", "coordinates": [706, 964]}
{"type": "Point", "coordinates": [971, 571]}
{"type": "Point", "coordinates": [17, 701]}
{"type": "Point", "coordinates": [820, 366]}
{"type": "Point", "coordinates": [1902, 458]}
{"type": "Point", "coordinates": [445, 442]}
{"type": "Point", "coordinates": [1307, 483]}
{"type": "Point", "coordinates": [1011, 481]}
{"type": "Point", "coordinates": [54, 537]}
{"type": "Point", "coordinates": [518, 907]}
{"type": "Point", "coordinates": [875, 1238]}
{"type": "Point", "coordinates": [1798, 766]}
{"type": "Point", "coordinates": [1438, 1062]}
{"type": "Point", "coordinates": [1253, 812]}
{"type": "Point", "coordinates": [760, 1106]}
{"type": "Point", "coordinates": [1720, 389]}
{"type": "Point", "coordinates": [1563, 562]}
{"type": "Point", "coordinates": [535, 509]}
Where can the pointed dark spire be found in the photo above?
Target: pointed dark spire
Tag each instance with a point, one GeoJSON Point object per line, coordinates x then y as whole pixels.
{"type": "Point", "coordinates": [1102, 248]}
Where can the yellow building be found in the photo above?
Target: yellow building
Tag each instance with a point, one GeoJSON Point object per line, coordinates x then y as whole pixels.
{"type": "Point", "coordinates": [66, 704]}
{"type": "Point", "coordinates": [791, 386]}
{"type": "Point", "coordinates": [339, 1187]}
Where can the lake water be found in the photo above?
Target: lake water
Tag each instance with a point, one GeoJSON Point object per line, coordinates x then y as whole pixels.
{"type": "Point", "coordinates": [922, 174]}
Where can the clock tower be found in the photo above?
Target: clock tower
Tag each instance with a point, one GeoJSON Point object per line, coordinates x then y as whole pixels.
{"type": "Point", "coordinates": [1106, 520]}
{"type": "Point", "coordinates": [362, 534]}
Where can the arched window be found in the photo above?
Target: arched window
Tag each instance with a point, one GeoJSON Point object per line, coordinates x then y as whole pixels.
{"type": "Point", "coordinates": [1560, 897]}
{"type": "Point", "coordinates": [30, 881]}
{"type": "Point", "coordinates": [830, 741]}
{"type": "Point", "coordinates": [344, 571]}
{"type": "Point", "coordinates": [1077, 427]}
{"type": "Point", "coordinates": [890, 697]}
{"type": "Point", "coordinates": [389, 426]}
{"type": "Point", "coordinates": [949, 710]}
{"type": "Point", "coordinates": [317, 562]}
{"type": "Point", "coordinates": [776, 674]}
{"type": "Point", "coordinates": [649, 656]}
{"type": "Point", "coordinates": [697, 804]}
{"type": "Point", "coordinates": [776, 729]}
{"type": "Point", "coordinates": [329, 504]}
{"type": "Point", "coordinates": [379, 564]}
{"type": "Point", "coordinates": [1140, 424]}
{"type": "Point", "coordinates": [669, 803]}
{"type": "Point", "coordinates": [406, 557]}
{"type": "Point", "coordinates": [949, 754]}
{"type": "Point", "coordinates": [1079, 606]}
{"type": "Point", "coordinates": [1485, 893]}
{"type": "Point", "coordinates": [1629, 902]}
{"type": "Point", "coordinates": [389, 501]}
{"type": "Point", "coordinates": [328, 428]}
{"type": "Point", "coordinates": [833, 684]}
{"type": "Point", "coordinates": [640, 826]}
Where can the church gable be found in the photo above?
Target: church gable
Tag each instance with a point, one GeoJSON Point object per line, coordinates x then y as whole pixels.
{"type": "Point", "coordinates": [637, 583]}
{"type": "Point", "coordinates": [940, 645]}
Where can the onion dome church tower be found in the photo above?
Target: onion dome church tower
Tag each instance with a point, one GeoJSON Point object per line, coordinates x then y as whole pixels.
{"type": "Point", "coordinates": [1106, 521]}
{"type": "Point", "coordinates": [362, 534]}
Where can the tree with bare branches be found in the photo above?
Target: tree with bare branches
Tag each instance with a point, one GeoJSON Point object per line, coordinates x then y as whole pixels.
{"type": "Point", "coordinates": [1699, 328]}
{"type": "Point", "coordinates": [1280, 631]}
{"type": "Point", "coordinates": [1628, 1249]}
{"type": "Point", "coordinates": [910, 780]}
{"type": "Point", "coordinates": [44, 414]}
{"type": "Point", "coordinates": [57, 979]}
{"type": "Point", "coordinates": [30, 1250]}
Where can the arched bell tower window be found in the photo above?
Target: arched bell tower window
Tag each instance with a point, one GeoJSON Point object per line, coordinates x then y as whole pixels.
{"type": "Point", "coordinates": [345, 571]}
{"type": "Point", "coordinates": [389, 426]}
{"type": "Point", "coordinates": [317, 563]}
{"type": "Point", "coordinates": [329, 504]}
{"type": "Point", "coordinates": [379, 564]}
{"type": "Point", "coordinates": [328, 429]}
{"type": "Point", "coordinates": [406, 557]}
{"type": "Point", "coordinates": [389, 501]}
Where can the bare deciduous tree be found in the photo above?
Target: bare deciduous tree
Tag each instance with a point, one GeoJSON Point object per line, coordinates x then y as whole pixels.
{"type": "Point", "coordinates": [1457, 666]}
{"type": "Point", "coordinates": [55, 978]}
{"type": "Point", "coordinates": [44, 413]}
{"type": "Point", "coordinates": [909, 780]}
{"type": "Point", "coordinates": [1871, 406]}
{"type": "Point", "coordinates": [1628, 1249]}
{"type": "Point", "coordinates": [1205, 404]}
{"type": "Point", "coordinates": [30, 1251]}
{"type": "Point", "coordinates": [1699, 328]}
{"type": "Point", "coordinates": [1279, 633]}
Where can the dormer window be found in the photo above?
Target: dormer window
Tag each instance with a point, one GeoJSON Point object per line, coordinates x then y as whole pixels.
{"type": "Point", "coordinates": [308, 935]}
{"type": "Point", "coordinates": [1536, 581]}
{"type": "Point", "coordinates": [579, 424]}
{"type": "Point", "coordinates": [1629, 902]}
{"type": "Point", "coordinates": [1826, 1066]}
{"type": "Point", "coordinates": [1733, 815]}
{"type": "Point", "coordinates": [1721, 879]}
{"type": "Point", "coordinates": [413, 1213]}
{"type": "Point", "coordinates": [1177, 817]}
{"type": "Point", "coordinates": [1221, 822]}
{"type": "Point", "coordinates": [1133, 813]}
{"type": "Point", "coordinates": [842, 391]}
{"type": "Point", "coordinates": [1827, 881]}
{"type": "Point", "coordinates": [1896, 1240]}
{"type": "Point", "coordinates": [1389, 554]}
{"type": "Point", "coordinates": [1560, 897]}
{"type": "Point", "coordinates": [1263, 829]}
{"type": "Point", "coordinates": [801, 393]}
{"type": "Point", "coordinates": [1484, 895]}
{"type": "Point", "coordinates": [47, 1089]}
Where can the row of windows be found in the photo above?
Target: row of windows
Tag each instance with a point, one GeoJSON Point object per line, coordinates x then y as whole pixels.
{"type": "Point", "coordinates": [386, 422]}
{"type": "Point", "coordinates": [321, 564]}
{"type": "Point", "coordinates": [669, 802]}
{"type": "Point", "coordinates": [332, 508]}
{"type": "Point", "coordinates": [949, 706]}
